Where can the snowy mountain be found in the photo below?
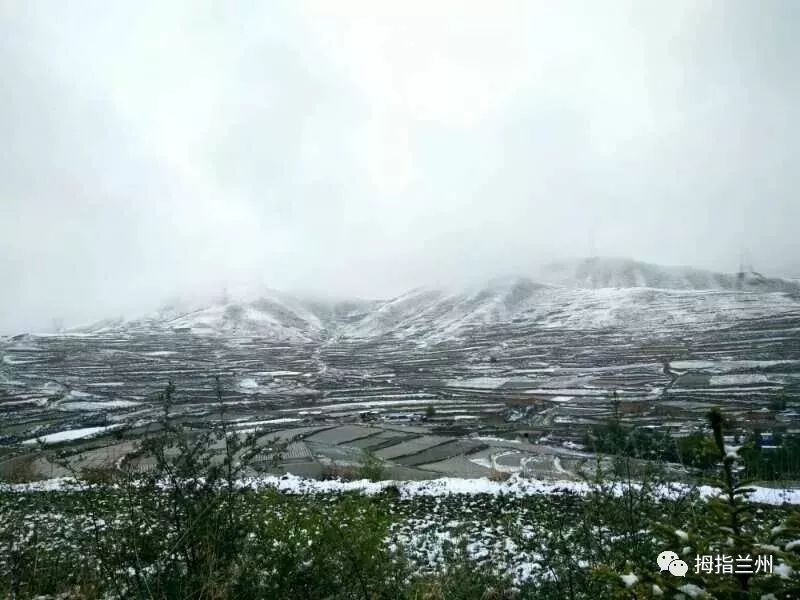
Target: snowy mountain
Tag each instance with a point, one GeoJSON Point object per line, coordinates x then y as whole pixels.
{"type": "Point", "coordinates": [268, 313]}
{"type": "Point", "coordinates": [596, 273]}
{"type": "Point", "coordinates": [587, 294]}
{"type": "Point", "coordinates": [517, 306]}
{"type": "Point", "coordinates": [422, 310]}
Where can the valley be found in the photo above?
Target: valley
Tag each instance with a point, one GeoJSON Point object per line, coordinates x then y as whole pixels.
{"type": "Point", "coordinates": [502, 379]}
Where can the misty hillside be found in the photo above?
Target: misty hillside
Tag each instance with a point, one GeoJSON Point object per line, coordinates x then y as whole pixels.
{"type": "Point", "coordinates": [262, 312]}
{"type": "Point", "coordinates": [435, 316]}
{"type": "Point", "coordinates": [586, 294]}
{"type": "Point", "coordinates": [596, 273]}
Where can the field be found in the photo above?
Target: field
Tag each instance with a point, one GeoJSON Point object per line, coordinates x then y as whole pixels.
{"type": "Point", "coordinates": [433, 388]}
{"type": "Point", "coordinates": [443, 444]}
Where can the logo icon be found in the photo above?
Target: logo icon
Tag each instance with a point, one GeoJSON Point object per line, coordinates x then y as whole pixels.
{"type": "Point", "coordinates": [670, 561]}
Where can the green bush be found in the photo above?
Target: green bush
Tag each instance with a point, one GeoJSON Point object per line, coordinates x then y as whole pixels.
{"type": "Point", "coordinates": [189, 528]}
{"type": "Point", "coordinates": [636, 442]}
{"type": "Point", "coordinates": [699, 450]}
{"type": "Point", "coordinates": [780, 462]}
{"type": "Point", "coordinates": [372, 467]}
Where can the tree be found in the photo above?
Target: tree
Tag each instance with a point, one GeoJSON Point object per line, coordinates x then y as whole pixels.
{"type": "Point", "coordinates": [699, 451]}
{"type": "Point", "coordinates": [726, 525]}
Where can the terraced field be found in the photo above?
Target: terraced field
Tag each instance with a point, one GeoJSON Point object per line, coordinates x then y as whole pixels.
{"type": "Point", "coordinates": [427, 385]}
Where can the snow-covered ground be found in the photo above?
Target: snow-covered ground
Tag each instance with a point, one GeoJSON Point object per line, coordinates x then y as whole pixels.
{"type": "Point", "coordinates": [70, 434]}
{"type": "Point", "coordinates": [445, 486]}
{"type": "Point", "coordinates": [495, 359]}
{"type": "Point", "coordinates": [100, 405]}
{"type": "Point", "coordinates": [489, 383]}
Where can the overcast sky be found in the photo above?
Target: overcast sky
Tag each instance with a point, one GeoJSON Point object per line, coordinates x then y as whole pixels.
{"type": "Point", "coordinates": [360, 148]}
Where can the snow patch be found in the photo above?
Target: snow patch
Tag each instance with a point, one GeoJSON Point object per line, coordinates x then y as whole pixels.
{"type": "Point", "coordinates": [99, 405]}
{"type": "Point", "coordinates": [487, 383]}
{"type": "Point", "coordinates": [70, 434]}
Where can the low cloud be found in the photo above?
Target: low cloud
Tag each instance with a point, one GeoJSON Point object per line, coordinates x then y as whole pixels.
{"type": "Point", "coordinates": [351, 148]}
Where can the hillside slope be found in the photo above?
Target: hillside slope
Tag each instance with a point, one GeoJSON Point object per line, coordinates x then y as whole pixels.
{"type": "Point", "coordinates": [587, 294]}
{"type": "Point", "coordinates": [596, 273]}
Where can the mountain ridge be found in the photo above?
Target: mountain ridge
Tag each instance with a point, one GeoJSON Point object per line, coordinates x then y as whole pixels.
{"type": "Point", "coordinates": [593, 292]}
{"type": "Point", "coordinates": [613, 272]}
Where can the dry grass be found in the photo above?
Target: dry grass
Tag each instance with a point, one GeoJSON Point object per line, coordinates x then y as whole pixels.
{"type": "Point", "coordinates": [343, 472]}
{"type": "Point", "coordinates": [19, 470]}
{"type": "Point", "coordinates": [496, 475]}
{"type": "Point", "coordinates": [93, 475]}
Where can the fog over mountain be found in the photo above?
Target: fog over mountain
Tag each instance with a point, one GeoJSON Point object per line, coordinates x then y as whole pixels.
{"type": "Point", "coordinates": [594, 293]}
{"type": "Point", "coordinates": [603, 272]}
{"type": "Point", "coordinates": [359, 150]}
